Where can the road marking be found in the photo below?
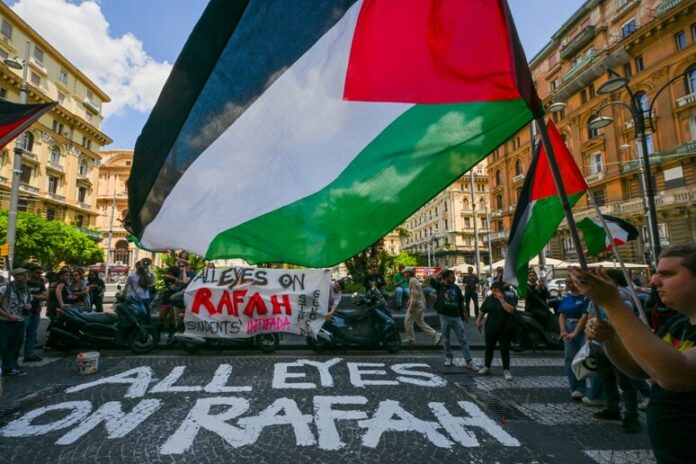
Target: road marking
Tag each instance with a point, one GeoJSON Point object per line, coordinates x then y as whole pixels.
{"type": "Point", "coordinates": [558, 413]}
{"type": "Point", "coordinates": [622, 456]}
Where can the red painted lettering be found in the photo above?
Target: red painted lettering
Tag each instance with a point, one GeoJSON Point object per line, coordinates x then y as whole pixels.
{"type": "Point", "coordinates": [226, 302]}
{"type": "Point", "coordinates": [285, 304]}
{"type": "Point", "coordinates": [255, 303]}
{"type": "Point", "coordinates": [202, 297]}
{"type": "Point", "coordinates": [237, 299]}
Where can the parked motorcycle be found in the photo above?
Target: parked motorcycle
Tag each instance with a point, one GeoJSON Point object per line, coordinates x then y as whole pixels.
{"type": "Point", "coordinates": [369, 325]}
{"type": "Point", "coordinates": [267, 343]}
{"type": "Point", "coordinates": [129, 326]}
{"type": "Point", "coordinates": [530, 335]}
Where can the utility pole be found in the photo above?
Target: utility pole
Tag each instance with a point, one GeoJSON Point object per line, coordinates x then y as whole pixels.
{"type": "Point", "coordinates": [477, 254]}
{"type": "Point", "coordinates": [111, 234]}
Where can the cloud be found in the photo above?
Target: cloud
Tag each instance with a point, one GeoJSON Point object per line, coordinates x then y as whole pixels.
{"type": "Point", "coordinates": [118, 65]}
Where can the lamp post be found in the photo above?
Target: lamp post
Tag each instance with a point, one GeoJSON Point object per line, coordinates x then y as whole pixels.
{"type": "Point", "coordinates": [639, 119]}
{"type": "Point", "coordinates": [110, 236]}
{"type": "Point", "coordinates": [17, 163]}
{"type": "Point", "coordinates": [477, 253]}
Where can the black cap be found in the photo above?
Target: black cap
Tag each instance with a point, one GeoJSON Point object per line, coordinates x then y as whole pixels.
{"type": "Point", "coordinates": [498, 284]}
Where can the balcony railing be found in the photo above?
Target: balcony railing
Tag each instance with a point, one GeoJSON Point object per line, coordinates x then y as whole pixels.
{"type": "Point", "coordinates": [55, 166]}
{"type": "Point", "coordinates": [30, 156]}
{"type": "Point", "coordinates": [28, 188]}
{"type": "Point", "coordinates": [56, 197]}
{"type": "Point", "coordinates": [91, 106]}
{"type": "Point", "coordinates": [518, 177]}
{"type": "Point", "coordinates": [581, 63]}
{"type": "Point", "coordinates": [664, 7]}
{"type": "Point", "coordinates": [499, 236]}
{"type": "Point", "coordinates": [686, 99]}
{"type": "Point", "coordinates": [596, 177]}
{"type": "Point", "coordinates": [84, 205]}
{"type": "Point", "coordinates": [95, 234]}
{"type": "Point", "coordinates": [580, 40]}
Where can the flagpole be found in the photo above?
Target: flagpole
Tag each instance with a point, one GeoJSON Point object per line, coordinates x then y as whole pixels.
{"type": "Point", "coordinates": [619, 259]}
{"type": "Point", "coordinates": [542, 255]}
{"type": "Point", "coordinates": [558, 181]}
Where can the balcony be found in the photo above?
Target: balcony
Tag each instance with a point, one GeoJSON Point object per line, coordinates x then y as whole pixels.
{"type": "Point", "coordinates": [84, 205]}
{"type": "Point", "coordinates": [664, 7]}
{"type": "Point", "coordinates": [576, 43]}
{"type": "Point", "coordinates": [38, 65]}
{"type": "Point", "coordinates": [518, 178]}
{"type": "Point", "coordinates": [93, 234]}
{"type": "Point", "coordinates": [54, 166]}
{"type": "Point", "coordinates": [91, 106]}
{"type": "Point", "coordinates": [686, 100]}
{"type": "Point", "coordinates": [580, 64]}
{"type": "Point", "coordinates": [495, 236]}
{"type": "Point", "coordinates": [29, 156]}
{"type": "Point", "coordinates": [28, 188]}
{"type": "Point", "coordinates": [596, 177]}
{"type": "Point", "coordinates": [56, 197]}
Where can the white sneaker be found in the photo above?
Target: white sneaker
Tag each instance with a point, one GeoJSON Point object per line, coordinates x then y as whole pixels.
{"type": "Point", "coordinates": [484, 370]}
{"type": "Point", "coordinates": [643, 405]}
{"type": "Point", "coordinates": [593, 403]}
{"type": "Point", "coordinates": [448, 362]}
{"type": "Point", "coordinates": [577, 395]}
{"type": "Point", "coordinates": [472, 365]}
{"type": "Point", "coordinates": [507, 374]}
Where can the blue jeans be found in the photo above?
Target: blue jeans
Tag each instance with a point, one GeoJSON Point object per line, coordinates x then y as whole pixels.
{"type": "Point", "coordinates": [448, 323]}
{"type": "Point", "coordinates": [571, 348]}
{"type": "Point", "coordinates": [399, 296]}
{"type": "Point", "coordinates": [11, 336]}
{"type": "Point", "coordinates": [31, 327]}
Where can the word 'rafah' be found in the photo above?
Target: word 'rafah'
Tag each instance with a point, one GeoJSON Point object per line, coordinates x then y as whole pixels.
{"type": "Point", "coordinates": [240, 421]}
{"type": "Point", "coordinates": [232, 302]}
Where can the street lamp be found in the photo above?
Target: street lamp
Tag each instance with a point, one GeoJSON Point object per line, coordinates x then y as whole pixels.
{"type": "Point", "coordinates": [110, 237]}
{"type": "Point", "coordinates": [556, 107]}
{"type": "Point", "coordinates": [17, 164]}
{"type": "Point", "coordinates": [639, 116]}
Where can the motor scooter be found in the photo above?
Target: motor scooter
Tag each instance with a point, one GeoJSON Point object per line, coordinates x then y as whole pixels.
{"type": "Point", "coordinates": [129, 326]}
{"type": "Point", "coordinates": [369, 325]}
{"type": "Point", "coordinates": [267, 343]}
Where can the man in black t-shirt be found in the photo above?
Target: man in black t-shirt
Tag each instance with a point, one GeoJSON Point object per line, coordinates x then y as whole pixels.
{"type": "Point", "coordinates": [471, 282]}
{"type": "Point", "coordinates": [668, 357]}
{"type": "Point", "coordinates": [373, 278]}
{"type": "Point", "coordinates": [37, 289]}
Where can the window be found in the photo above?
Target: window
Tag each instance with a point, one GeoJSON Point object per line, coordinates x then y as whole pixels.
{"type": "Point", "coordinates": [518, 167]}
{"type": "Point", "coordinates": [6, 29]}
{"type": "Point", "coordinates": [35, 79]}
{"type": "Point", "coordinates": [693, 32]}
{"type": "Point", "coordinates": [82, 168]}
{"type": "Point", "coordinates": [599, 197]}
{"type": "Point", "coordinates": [640, 64]}
{"type": "Point", "coordinates": [87, 143]}
{"type": "Point", "coordinates": [61, 98]}
{"type": "Point", "coordinates": [3, 93]}
{"type": "Point", "coordinates": [596, 164]}
{"type": "Point", "coordinates": [22, 205]}
{"type": "Point", "coordinates": [28, 141]}
{"type": "Point", "coordinates": [499, 225]}
{"type": "Point", "coordinates": [81, 194]}
{"type": "Point", "coordinates": [467, 222]}
{"type": "Point", "coordinates": [466, 204]}
{"type": "Point", "coordinates": [674, 177]}
{"type": "Point", "coordinates": [52, 184]}
{"type": "Point", "coordinates": [680, 40]}
{"type": "Point", "coordinates": [692, 127]}
{"type": "Point", "coordinates": [643, 103]}
{"type": "Point", "coordinates": [57, 127]}
{"type": "Point", "coordinates": [691, 80]}
{"type": "Point", "coordinates": [591, 91]}
{"type": "Point", "coordinates": [90, 95]}
{"type": "Point", "coordinates": [661, 231]}
{"type": "Point", "coordinates": [629, 28]}
{"type": "Point", "coordinates": [497, 177]}
{"type": "Point", "coordinates": [620, 3]}
{"type": "Point", "coordinates": [79, 220]}
{"type": "Point", "coordinates": [628, 71]}
{"type": "Point", "coordinates": [50, 214]}
{"type": "Point", "coordinates": [25, 176]}
{"type": "Point", "coordinates": [499, 201]}
{"type": "Point", "coordinates": [54, 155]}
{"type": "Point", "coordinates": [63, 76]}
{"type": "Point", "coordinates": [3, 54]}
{"type": "Point", "coordinates": [38, 54]}
{"type": "Point", "coordinates": [583, 96]}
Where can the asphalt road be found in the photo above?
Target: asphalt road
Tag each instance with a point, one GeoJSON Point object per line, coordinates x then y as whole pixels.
{"type": "Point", "coordinates": [295, 406]}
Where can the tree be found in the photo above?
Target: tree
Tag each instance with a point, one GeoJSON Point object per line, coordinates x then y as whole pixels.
{"type": "Point", "coordinates": [195, 264]}
{"type": "Point", "coordinates": [372, 255]}
{"type": "Point", "coordinates": [50, 242]}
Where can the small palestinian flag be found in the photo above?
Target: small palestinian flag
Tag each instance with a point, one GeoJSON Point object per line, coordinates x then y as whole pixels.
{"type": "Point", "coordinates": [539, 210]}
{"type": "Point", "coordinates": [15, 118]}
{"type": "Point", "coordinates": [596, 238]}
{"type": "Point", "coordinates": [302, 131]}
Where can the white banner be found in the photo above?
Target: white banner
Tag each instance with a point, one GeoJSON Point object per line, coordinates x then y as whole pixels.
{"type": "Point", "coordinates": [241, 302]}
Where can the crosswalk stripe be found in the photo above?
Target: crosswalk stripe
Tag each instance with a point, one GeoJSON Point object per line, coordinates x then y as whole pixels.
{"type": "Point", "coordinates": [622, 456]}
{"type": "Point", "coordinates": [557, 413]}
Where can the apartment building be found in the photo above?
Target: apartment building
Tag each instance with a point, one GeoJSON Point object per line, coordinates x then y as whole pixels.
{"type": "Point", "coordinates": [443, 229]}
{"type": "Point", "coordinates": [652, 43]}
{"type": "Point", "coordinates": [61, 151]}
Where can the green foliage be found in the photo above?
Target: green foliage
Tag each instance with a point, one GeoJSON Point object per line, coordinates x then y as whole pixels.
{"type": "Point", "coordinates": [359, 264]}
{"type": "Point", "coordinates": [195, 264]}
{"type": "Point", "coordinates": [51, 243]}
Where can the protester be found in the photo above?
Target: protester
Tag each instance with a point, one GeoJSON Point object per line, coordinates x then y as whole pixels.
{"type": "Point", "coordinates": [167, 319]}
{"type": "Point", "coordinates": [373, 279]}
{"type": "Point", "coordinates": [51, 301]}
{"type": "Point", "coordinates": [449, 304]}
{"type": "Point", "coordinates": [62, 292]}
{"type": "Point", "coordinates": [571, 320]}
{"type": "Point", "coordinates": [15, 305]}
{"type": "Point", "coordinates": [668, 357]}
{"type": "Point", "coordinates": [471, 282]}
{"type": "Point", "coordinates": [97, 288]}
{"type": "Point", "coordinates": [39, 295]}
{"type": "Point", "coordinates": [498, 312]}
{"type": "Point", "coordinates": [416, 307]}
{"type": "Point", "coordinates": [138, 284]}
{"type": "Point", "coordinates": [536, 303]}
{"type": "Point", "coordinates": [78, 296]}
{"type": "Point", "coordinates": [401, 288]}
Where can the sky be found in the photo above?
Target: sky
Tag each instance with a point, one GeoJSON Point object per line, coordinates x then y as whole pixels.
{"type": "Point", "coordinates": [128, 47]}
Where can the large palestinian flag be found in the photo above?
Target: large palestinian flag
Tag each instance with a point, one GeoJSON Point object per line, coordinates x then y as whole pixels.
{"type": "Point", "coordinates": [15, 118]}
{"type": "Point", "coordinates": [539, 210]}
{"type": "Point", "coordinates": [303, 131]}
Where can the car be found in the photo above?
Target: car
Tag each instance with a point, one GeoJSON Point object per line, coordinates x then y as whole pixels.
{"type": "Point", "coordinates": [556, 287]}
